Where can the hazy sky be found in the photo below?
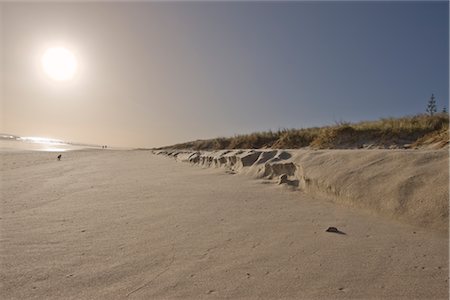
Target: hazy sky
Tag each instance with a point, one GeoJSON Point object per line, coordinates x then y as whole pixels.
{"type": "Point", "coordinates": [153, 74]}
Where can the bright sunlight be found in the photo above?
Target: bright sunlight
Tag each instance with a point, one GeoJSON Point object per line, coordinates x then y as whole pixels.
{"type": "Point", "coordinates": [59, 63]}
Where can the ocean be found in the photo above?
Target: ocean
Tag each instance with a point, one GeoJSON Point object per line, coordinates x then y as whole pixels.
{"type": "Point", "coordinates": [10, 142]}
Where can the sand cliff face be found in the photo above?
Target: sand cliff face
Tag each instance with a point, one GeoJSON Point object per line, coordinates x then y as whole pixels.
{"type": "Point", "coordinates": [410, 186]}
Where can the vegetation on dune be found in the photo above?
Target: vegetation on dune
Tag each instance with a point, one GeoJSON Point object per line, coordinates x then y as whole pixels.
{"type": "Point", "coordinates": [406, 132]}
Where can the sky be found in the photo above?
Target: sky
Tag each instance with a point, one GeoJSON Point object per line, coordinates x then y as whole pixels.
{"type": "Point", "coordinates": [151, 74]}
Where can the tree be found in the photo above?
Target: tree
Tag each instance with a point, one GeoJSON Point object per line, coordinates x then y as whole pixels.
{"type": "Point", "coordinates": [431, 107]}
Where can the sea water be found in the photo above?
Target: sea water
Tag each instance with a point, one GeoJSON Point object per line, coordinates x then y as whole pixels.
{"type": "Point", "coordinates": [16, 143]}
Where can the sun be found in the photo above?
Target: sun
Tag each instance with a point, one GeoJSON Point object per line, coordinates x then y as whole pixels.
{"type": "Point", "coordinates": [59, 63]}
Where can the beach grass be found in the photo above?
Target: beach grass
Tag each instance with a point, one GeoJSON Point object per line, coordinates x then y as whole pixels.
{"type": "Point", "coordinates": [405, 132]}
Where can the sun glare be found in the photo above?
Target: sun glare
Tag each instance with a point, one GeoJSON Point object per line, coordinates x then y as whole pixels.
{"type": "Point", "coordinates": [59, 63]}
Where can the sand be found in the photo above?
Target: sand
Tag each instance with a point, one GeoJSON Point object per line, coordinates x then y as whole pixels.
{"type": "Point", "coordinates": [407, 185]}
{"type": "Point", "coordinates": [130, 224]}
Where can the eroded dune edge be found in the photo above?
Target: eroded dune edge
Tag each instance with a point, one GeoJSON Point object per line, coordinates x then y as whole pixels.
{"type": "Point", "coordinates": [411, 186]}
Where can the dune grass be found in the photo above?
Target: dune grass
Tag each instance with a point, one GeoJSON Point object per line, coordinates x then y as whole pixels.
{"type": "Point", "coordinates": [405, 132]}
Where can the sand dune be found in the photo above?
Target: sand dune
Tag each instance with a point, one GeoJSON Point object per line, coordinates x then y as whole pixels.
{"type": "Point", "coordinates": [132, 225]}
{"type": "Point", "coordinates": [407, 185]}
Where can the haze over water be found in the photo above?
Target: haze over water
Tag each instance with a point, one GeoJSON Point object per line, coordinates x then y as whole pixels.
{"type": "Point", "coordinates": [16, 143]}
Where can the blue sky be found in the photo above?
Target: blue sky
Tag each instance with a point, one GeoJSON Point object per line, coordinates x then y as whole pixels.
{"type": "Point", "coordinates": [305, 63]}
{"type": "Point", "coordinates": [160, 73]}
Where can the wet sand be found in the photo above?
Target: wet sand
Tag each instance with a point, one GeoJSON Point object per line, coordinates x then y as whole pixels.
{"type": "Point", "coordinates": [129, 224]}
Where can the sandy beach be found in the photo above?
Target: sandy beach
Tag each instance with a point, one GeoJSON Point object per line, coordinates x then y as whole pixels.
{"type": "Point", "coordinates": [131, 224]}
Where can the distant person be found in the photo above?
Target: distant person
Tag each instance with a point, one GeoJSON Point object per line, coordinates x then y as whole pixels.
{"type": "Point", "coordinates": [59, 157]}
